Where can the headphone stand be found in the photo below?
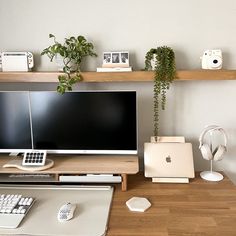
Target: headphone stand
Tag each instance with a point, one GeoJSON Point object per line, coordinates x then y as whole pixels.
{"type": "Point", "coordinates": [211, 175]}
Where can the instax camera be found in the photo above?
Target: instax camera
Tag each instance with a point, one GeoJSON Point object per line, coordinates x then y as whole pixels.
{"type": "Point", "coordinates": [212, 59]}
{"type": "Point", "coordinates": [16, 61]}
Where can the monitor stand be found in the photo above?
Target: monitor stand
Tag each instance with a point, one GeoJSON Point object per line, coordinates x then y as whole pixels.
{"type": "Point", "coordinates": [183, 180]}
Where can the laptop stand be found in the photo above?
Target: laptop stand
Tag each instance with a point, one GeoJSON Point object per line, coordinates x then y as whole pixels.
{"type": "Point", "coordinates": [171, 180]}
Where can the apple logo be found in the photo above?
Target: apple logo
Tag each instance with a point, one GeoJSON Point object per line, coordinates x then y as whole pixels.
{"type": "Point", "coordinates": [168, 159]}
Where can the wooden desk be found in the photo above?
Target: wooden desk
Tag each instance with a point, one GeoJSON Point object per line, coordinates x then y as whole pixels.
{"type": "Point", "coordinates": [199, 208]}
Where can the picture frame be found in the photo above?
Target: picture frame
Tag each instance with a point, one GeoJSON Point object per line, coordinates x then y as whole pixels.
{"type": "Point", "coordinates": [115, 59]}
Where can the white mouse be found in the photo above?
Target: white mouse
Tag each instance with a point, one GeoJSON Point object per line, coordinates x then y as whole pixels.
{"type": "Point", "coordinates": [66, 212]}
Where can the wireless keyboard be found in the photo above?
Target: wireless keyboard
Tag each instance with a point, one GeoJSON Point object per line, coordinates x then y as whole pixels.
{"type": "Point", "coordinates": [13, 208]}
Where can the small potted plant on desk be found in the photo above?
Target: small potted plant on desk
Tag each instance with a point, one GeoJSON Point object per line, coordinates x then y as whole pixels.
{"type": "Point", "coordinates": [162, 61]}
{"type": "Point", "coordinates": [69, 55]}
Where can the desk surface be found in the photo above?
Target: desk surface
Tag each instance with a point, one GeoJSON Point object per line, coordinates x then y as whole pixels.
{"type": "Point", "coordinates": [90, 216]}
{"type": "Point", "coordinates": [200, 208]}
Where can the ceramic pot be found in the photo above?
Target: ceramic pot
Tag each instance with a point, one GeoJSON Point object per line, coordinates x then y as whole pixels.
{"type": "Point", "coordinates": [60, 63]}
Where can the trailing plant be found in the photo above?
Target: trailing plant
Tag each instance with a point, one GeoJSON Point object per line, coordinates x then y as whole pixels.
{"type": "Point", "coordinates": [164, 74]}
{"type": "Point", "coordinates": [72, 51]}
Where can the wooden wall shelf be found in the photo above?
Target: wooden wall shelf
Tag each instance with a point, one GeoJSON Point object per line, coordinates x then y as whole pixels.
{"type": "Point", "coordinates": [136, 76]}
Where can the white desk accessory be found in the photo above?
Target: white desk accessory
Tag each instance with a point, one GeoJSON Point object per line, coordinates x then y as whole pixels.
{"type": "Point", "coordinates": [66, 212]}
{"type": "Point", "coordinates": [34, 158]}
{"type": "Point", "coordinates": [212, 155]}
{"type": "Point", "coordinates": [139, 204]}
{"type": "Point", "coordinates": [13, 208]}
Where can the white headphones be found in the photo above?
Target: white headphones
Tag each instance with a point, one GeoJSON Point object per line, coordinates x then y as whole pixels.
{"type": "Point", "coordinates": [205, 149]}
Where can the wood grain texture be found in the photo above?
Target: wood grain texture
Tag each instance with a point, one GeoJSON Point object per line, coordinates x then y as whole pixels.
{"type": "Point", "coordinates": [136, 76]}
{"type": "Point", "coordinates": [79, 165]}
{"type": "Point", "coordinates": [84, 164]}
{"type": "Point", "coordinates": [199, 208]}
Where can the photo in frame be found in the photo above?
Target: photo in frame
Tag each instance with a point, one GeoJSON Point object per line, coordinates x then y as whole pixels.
{"type": "Point", "coordinates": [115, 59]}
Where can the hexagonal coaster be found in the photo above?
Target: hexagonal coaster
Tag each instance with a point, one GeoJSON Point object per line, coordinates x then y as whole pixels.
{"type": "Point", "coordinates": [139, 204]}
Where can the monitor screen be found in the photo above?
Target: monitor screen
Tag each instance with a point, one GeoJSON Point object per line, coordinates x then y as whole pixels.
{"type": "Point", "coordinates": [15, 132]}
{"type": "Point", "coordinates": [94, 122]}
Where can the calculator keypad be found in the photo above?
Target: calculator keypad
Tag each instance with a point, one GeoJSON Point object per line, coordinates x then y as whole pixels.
{"type": "Point", "coordinates": [34, 158]}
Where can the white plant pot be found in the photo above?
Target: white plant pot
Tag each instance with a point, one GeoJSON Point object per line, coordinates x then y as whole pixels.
{"type": "Point", "coordinates": [60, 63]}
{"type": "Point", "coordinates": [153, 61]}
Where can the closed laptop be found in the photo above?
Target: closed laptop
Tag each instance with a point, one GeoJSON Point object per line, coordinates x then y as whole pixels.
{"type": "Point", "coordinates": [168, 160]}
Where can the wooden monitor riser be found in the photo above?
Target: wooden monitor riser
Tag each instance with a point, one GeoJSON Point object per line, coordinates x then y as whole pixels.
{"type": "Point", "coordinates": [122, 165]}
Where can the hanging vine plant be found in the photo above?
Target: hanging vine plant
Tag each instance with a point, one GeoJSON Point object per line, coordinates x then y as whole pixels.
{"type": "Point", "coordinates": [162, 61]}
{"type": "Point", "coordinates": [72, 53]}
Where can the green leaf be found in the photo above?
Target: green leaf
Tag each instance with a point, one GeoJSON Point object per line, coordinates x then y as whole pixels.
{"type": "Point", "coordinates": [60, 89]}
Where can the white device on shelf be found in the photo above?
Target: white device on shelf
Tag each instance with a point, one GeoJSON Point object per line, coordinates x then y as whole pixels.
{"type": "Point", "coordinates": [212, 155]}
{"type": "Point", "coordinates": [34, 158]}
{"type": "Point", "coordinates": [13, 208]}
{"type": "Point", "coordinates": [66, 212]}
{"type": "Point", "coordinates": [212, 59]}
{"type": "Point", "coordinates": [16, 61]}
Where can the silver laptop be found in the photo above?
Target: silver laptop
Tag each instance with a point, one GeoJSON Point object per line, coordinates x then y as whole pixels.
{"type": "Point", "coordinates": [168, 160]}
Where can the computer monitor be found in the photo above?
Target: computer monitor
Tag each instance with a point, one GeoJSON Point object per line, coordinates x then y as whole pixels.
{"type": "Point", "coordinates": [15, 132]}
{"type": "Point", "coordinates": [85, 122]}
{"type": "Point", "coordinates": [93, 122]}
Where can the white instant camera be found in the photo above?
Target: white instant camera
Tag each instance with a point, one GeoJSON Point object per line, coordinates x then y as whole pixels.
{"type": "Point", "coordinates": [212, 59]}
{"type": "Point", "coordinates": [16, 61]}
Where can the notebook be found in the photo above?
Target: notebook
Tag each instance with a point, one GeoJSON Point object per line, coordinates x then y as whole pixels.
{"type": "Point", "coordinates": [168, 160]}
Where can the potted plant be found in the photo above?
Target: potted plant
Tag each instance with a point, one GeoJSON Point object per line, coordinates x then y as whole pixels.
{"type": "Point", "coordinates": [162, 61]}
{"type": "Point", "coordinates": [72, 53]}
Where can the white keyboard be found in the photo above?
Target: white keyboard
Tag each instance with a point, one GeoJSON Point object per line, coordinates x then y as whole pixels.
{"type": "Point", "coordinates": [13, 208]}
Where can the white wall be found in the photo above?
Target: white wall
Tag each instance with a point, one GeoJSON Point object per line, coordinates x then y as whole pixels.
{"type": "Point", "coordinates": [189, 27]}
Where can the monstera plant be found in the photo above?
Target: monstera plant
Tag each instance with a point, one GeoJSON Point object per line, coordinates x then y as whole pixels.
{"type": "Point", "coordinates": [72, 53]}
{"type": "Point", "coordinates": [162, 61]}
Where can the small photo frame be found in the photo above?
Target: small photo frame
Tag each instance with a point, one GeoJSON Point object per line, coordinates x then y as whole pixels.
{"type": "Point", "coordinates": [116, 59]}
{"type": "Point", "coordinates": [124, 57]}
{"type": "Point", "coordinates": [106, 58]}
